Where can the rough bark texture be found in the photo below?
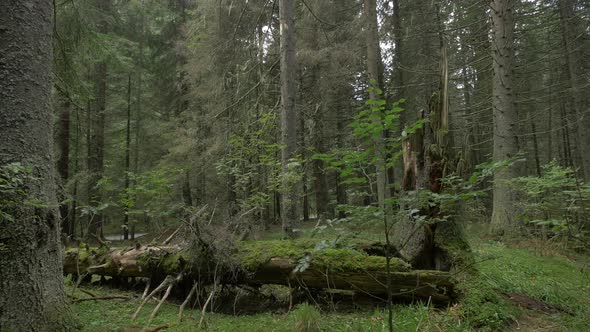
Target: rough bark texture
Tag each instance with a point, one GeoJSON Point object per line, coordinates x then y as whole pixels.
{"type": "Point", "coordinates": [31, 285]}
{"type": "Point", "coordinates": [505, 116]}
{"type": "Point", "coordinates": [290, 197]}
{"type": "Point", "coordinates": [161, 261]}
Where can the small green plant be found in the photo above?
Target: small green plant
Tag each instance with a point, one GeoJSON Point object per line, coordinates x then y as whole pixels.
{"type": "Point", "coordinates": [555, 201]}
{"type": "Point", "coordinates": [307, 318]}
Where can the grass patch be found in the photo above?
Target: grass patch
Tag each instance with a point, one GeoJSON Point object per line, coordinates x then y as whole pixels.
{"type": "Point", "coordinates": [553, 280]}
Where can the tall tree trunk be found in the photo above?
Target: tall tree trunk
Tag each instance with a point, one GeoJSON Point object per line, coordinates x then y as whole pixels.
{"type": "Point", "coordinates": [373, 71]}
{"type": "Point", "coordinates": [97, 128]}
{"type": "Point", "coordinates": [127, 163]}
{"type": "Point", "coordinates": [139, 91]}
{"type": "Point", "coordinates": [305, 201]}
{"type": "Point", "coordinates": [374, 74]}
{"type": "Point", "coordinates": [290, 187]}
{"type": "Point", "coordinates": [63, 163]}
{"type": "Point", "coordinates": [75, 170]}
{"type": "Point", "coordinates": [505, 116]}
{"type": "Point", "coordinates": [31, 284]}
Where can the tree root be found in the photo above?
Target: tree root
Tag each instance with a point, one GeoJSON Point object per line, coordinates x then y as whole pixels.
{"type": "Point", "coordinates": [206, 304]}
{"type": "Point", "coordinates": [157, 308]}
{"type": "Point", "coordinates": [147, 288]}
{"type": "Point", "coordinates": [186, 301]}
{"type": "Point", "coordinates": [164, 283]}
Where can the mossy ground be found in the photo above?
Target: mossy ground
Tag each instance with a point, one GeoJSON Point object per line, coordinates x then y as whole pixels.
{"type": "Point", "coordinates": [556, 280]}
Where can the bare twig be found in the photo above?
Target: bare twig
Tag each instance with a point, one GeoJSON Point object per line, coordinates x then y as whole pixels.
{"type": "Point", "coordinates": [97, 267]}
{"type": "Point", "coordinates": [85, 291]}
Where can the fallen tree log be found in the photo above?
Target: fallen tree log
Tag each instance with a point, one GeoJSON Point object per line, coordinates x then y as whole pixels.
{"type": "Point", "coordinates": [292, 263]}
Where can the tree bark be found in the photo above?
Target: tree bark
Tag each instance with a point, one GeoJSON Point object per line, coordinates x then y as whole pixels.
{"type": "Point", "coordinates": [290, 169]}
{"type": "Point", "coordinates": [31, 284]}
{"type": "Point", "coordinates": [505, 117]}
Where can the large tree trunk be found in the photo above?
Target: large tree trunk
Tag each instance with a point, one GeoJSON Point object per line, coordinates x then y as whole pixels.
{"type": "Point", "coordinates": [31, 283]}
{"type": "Point", "coordinates": [505, 116]}
{"type": "Point", "coordinates": [157, 262]}
{"type": "Point", "coordinates": [290, 187]}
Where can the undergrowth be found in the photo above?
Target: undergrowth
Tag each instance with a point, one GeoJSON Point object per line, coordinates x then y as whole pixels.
{"type": "Point", "coordinates": [485, 306]}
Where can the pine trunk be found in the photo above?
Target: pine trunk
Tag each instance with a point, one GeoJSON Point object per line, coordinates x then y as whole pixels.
{"type": "Point", "coordinates": [505, 117]}
{"type": "Point", "coordinates": [290, 168]}
{"type": "Point", "coordinates": [31, 284]}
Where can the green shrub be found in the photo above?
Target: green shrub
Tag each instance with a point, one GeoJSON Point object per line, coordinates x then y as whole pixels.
{"type": "Point", "coordinates": [555, 201]}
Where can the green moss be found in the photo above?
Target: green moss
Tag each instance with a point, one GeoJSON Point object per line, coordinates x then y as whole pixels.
{"type": "Point", "coordinates": [82, 254]}
{"type": "Point", "coordinates": [168, 262]}
{"type": "Point", "coordinates": [484, 308]}
{"type": "Point", "coordinates": [348, 259]}
{"type": "Point", "coordinates": [254, 254]}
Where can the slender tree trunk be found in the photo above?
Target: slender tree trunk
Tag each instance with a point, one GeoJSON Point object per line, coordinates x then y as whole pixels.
{"type": "Point", "coordinates": [505, 116]}
{"type": "Point", "coordinates": [373, 71]}
{"type": "Point", "coordinates": [31, 284]}
{"type": "Point", "coordinates": [305, 202]}
{"type": "Point", "coordinates": [127, 163]}
{"type": "Point", "coordinates": [97, 129]}
{"type": "Point", "coordinates": [76, 169]}
{"type": "Point", "coordinates": [290, 187]}
{"type": "Point", "coordinates": [139, 92]}
{"type": "Point", "coordinates": [63, 163]}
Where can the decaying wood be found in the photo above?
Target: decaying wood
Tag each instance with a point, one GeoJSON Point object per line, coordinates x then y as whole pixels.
{"type": "Point", "coordinates": [111, 297]}
{"type": "Point", "coordinates": [166, 261]}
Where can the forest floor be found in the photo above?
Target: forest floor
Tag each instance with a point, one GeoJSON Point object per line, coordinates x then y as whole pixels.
{"type": "Point", "coordinates": [521, 286]}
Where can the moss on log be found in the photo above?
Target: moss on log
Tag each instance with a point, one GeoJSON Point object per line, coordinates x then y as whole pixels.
{"type": "Point", "coordinates": [294, 263]}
